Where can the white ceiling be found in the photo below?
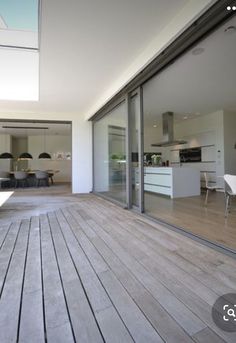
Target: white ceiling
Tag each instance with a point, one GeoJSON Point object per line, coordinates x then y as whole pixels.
{"type": "Point", "coordinates": [196, 84]}
{"type": "Point", "coordinates": [62, 129]}
{"type": "Point", "coordinates": [86, 44]}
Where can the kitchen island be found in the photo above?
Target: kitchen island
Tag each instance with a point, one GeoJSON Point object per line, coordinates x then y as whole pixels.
{"type": "Point", "coordinates": [176, 182]}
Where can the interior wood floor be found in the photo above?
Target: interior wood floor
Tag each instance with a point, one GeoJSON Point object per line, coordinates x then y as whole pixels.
{"type": "Point", "coordinates": [207, 221]}
{"type": "Point", "coordinates": [89, 271]}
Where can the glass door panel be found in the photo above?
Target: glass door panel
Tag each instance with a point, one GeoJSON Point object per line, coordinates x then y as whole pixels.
{"type": "Point", "coordinates": [135, 145]}
{"type": "Point", "coordinates": [110, 154]}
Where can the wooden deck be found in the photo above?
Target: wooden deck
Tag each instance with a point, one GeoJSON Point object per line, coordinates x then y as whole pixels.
{"type": "Point", "coordinates": [193, 215]}
{"type": "Point", "coordinates": [93, 272]}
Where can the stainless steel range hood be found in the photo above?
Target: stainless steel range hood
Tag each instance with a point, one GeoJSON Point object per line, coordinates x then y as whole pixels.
{"type": "Point", "coordinates": [168, 131]}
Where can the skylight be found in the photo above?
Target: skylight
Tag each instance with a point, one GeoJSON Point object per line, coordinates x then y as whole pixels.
{"type": "Point", "coordinates": [20, 15]}
{"type": "Point", "coordinates": [19, 55]}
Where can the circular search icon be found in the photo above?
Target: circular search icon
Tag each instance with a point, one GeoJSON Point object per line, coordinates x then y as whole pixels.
{"type": "Point", "coordinates": [224, 312]}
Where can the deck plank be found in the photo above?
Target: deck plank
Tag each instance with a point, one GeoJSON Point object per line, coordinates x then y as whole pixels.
{"type": "Point", "coordinates": [134, 319]}
{"type": "Point", "coordinates": [204, 265]}
{"type": "Point", "coordinates": [161, 271]}
{"type": "Point", "coordinates": [83, 322]}
{"type": "Point", "coordinates": [12, 292]}
{"type": "Point", "coordinates": [165, 325]}
{"type": "Point", "coordinates": [145, 252]}
{"type": "Point", "coordinates": [56, 315]}
{"type": "Point", "coordinates": [151, 240]}
{"type": "Point", "coordinates": [201, 265]}
{"type": "Point", "coordinates": [3, 233]}
{"type": "Point", "coordinates": [207, 336]}
{"type": "Point", "coordinates": [7, 250]}
{"type": "Point", "coordinates": [138, 326]}
{"type": "Point", "coordinates": [32, 321]}
{"type": "Point", "coordinates": [110, 323]}
{"type": "Point", "coordinates": [205, 262]}
{"type": "Point", "coordinates": [164, 271]}
{"type": "Point", "coordinates": [190, 322]}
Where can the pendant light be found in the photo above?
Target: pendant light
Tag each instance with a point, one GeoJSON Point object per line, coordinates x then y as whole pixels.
{"type": "Point", "coordinates": [44, 155]}
{"type": "Point", "coordinates": [6, 155]}
{"type": "Point", "coordinates": [25, 156]}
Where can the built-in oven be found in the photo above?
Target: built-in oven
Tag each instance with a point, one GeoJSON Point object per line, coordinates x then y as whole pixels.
{"type": "Point", "coordinates": [190, 155]}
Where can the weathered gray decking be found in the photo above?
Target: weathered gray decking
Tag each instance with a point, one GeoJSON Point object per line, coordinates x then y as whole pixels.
{"type": "Point", "coordinates": [93, 272]}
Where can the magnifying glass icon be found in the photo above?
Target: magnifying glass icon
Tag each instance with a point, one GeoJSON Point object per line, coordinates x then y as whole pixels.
{"type": "Point", "coordinates": [231, 313]}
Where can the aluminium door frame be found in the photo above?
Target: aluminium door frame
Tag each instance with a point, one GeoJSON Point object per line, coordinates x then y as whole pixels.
{"type": "Point", "coordinates": [130, 205]}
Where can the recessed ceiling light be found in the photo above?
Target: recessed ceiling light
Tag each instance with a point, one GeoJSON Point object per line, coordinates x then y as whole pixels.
{"type": "Point", "coordinates": [230, 29]}
{"type": "Point", "coordinates": [154, 125]}
{"type": "Point", "coordinates": [197, 51]}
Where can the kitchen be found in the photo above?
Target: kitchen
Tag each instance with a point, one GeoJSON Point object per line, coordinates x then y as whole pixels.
{"type": "Point", "coordinates": [172, 181]}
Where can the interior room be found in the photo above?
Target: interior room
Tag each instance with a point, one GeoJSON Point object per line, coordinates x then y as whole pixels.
{"type": "Point", "coordinates": [35, 146]}
{"type": "Point", "coordinates": [190, 126]}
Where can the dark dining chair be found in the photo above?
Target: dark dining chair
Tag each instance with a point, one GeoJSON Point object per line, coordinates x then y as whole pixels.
{"type": "Point", "coordinates": [4, 179]}
{"type": "Point", "coordinates": [50, 175]}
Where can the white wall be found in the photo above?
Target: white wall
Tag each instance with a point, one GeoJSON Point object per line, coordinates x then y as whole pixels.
{"type": "Point", "coordinates": [101, 153]}
{"type": "Point", "coordinates": [152, 135]}
{"type": "Point", "coordinates": [5, 146]}
{"type": "Point", "coordinates": [19, 145]}
{"type": "Point", "coordinates": [229, 142]}
{"type": "Point", "coordinates": [203, 131]}
{"type": "Point", "coordinates": [53, 144]}
{"type": "Point", "coordinates": [5, 143]}
{"type": "Point", "coordinates": [81, 156]}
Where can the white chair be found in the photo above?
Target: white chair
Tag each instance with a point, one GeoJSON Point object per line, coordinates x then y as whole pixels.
{"type": "Point", "coordinates": [41, 175]}
{"type": "Point", "coordinates": [231, 192]}
{"type": "Point", "coordinates": [209, 187]}
{"type": "Point", "coordinates": [20, 178]}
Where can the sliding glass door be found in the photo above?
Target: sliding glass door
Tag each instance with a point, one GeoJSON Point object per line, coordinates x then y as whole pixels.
{"type": "Point", "coordinates": [110, 153]}
{"type": "Point", "coordinates": [173, 139]}
{"type": "Point", "coordinates": [118, 152]}
{"type": "Point", "coordinates": [189, 139]}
